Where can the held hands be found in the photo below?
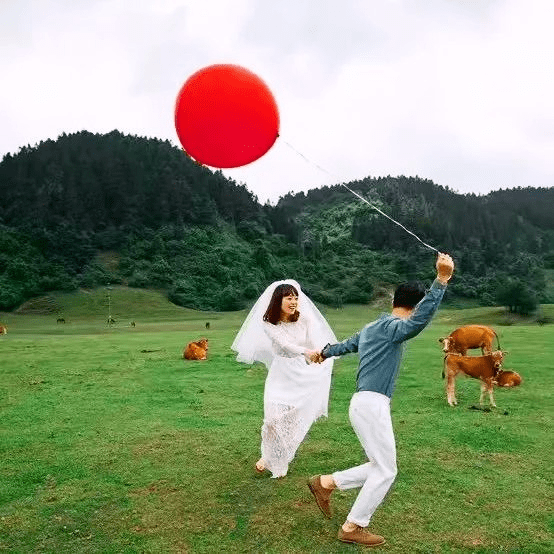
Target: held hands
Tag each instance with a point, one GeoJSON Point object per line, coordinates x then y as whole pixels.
{"type": "Point", "coordinates": [317, 358]}
{"type": "Point", "coordinates": [445, 268]}
{"type": "Point", "coordinates": [313, 356]}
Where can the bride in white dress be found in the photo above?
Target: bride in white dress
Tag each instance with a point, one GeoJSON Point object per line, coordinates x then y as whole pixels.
{"type": "Point", "coordinates": [283, 329]}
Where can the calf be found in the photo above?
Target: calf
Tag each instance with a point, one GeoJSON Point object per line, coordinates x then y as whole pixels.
{"type": "Point", "coordinates": [508, 379]}
{"type": "Point", "coordinates": [470, 336]}
{"type": "Point", "coordinates": [197, 350]}
{"type": "Point", "coordinates": [485, 368]}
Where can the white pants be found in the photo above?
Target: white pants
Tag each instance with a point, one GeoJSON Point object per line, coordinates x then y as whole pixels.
{"type": "Point", "coordinates": [371, 420]}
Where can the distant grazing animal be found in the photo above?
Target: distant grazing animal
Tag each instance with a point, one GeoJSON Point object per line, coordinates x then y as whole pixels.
{"type": "Point", "coordinates": [486, 368]}
{"type": "Point", "coordinates": [207, 324]}
{"type": "Point", "coordinates": [60, 320]}
{"type": "Point", "coordinates": [197, 350]}
{"type": "Point", "coordinates": [470, 336]}
{"type": "Point", "coordinates": [3, 329]}
{"type": "Point", "coordinates": [132, 324]}
{"type": "Point", "coordinates": [111, 320]}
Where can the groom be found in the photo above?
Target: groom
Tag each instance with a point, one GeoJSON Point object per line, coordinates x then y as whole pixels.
{"type": "Point", "coordinates": [379, 346]}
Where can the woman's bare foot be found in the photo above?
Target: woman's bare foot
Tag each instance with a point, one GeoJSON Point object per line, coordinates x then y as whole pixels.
{"type": "Point", "coordinates": [260, 466]}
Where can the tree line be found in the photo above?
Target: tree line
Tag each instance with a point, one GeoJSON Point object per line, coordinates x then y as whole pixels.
{"type": "Point", "coordinates": [207, 241]}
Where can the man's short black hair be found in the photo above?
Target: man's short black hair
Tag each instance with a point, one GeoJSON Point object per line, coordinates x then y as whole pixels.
{"type": "Point", "coordinates": [407, 295]}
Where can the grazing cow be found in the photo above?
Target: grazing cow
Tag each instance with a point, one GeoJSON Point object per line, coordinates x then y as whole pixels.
{"type": "Point", "coordinates": [197, 350]}
{"type": "Point", "coordinates": [3, 329]}
{"type": "Point", "coordinates": [60, 320]}
{"type": "Point", "coordinates": [485, 368]}
{"type": "Point", "coordinates": [470, 336]}
{"type": "Point", "coordinates": [133, 324]}
{"type": "Point", "coordinates": [207, 324]}
{"type": "Point", "coordinates": [111, 320]}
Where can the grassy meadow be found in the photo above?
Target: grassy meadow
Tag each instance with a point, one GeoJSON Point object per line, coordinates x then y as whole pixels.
{"type": "Point", "coordinates": [110, 442]}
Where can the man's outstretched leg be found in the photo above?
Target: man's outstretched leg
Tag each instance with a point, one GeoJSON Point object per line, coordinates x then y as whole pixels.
{"type": "Point", "coordinates": [370, 418]}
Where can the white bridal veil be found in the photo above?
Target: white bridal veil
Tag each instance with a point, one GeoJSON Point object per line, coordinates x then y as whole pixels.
{"type": "Point", "coordinates": [252, 343]}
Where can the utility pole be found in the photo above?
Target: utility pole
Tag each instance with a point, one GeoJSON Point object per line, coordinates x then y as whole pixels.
{"type": "Point", "coordinates": [110, 318]}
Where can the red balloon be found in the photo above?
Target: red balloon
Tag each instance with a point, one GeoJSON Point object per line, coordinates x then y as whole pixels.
{"type": "Point", "coordinates": [226, 116]}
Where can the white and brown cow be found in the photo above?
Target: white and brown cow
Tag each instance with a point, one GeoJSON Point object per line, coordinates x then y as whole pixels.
{"type": "Point", "coordinates": [487, 368]}
{"type": "Point", "coordinates": [470, 336]}
{"type": "Point", "coordinates": [3, 329]}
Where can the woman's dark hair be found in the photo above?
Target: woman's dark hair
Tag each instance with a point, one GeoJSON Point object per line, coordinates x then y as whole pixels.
{"type": "Point", "coordinates": [408, 295]}
{"type": "Point", "coordinates": [273, 312]}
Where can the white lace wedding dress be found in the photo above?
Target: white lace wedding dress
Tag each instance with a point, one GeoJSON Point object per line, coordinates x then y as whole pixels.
{"type": "Point", "coordinates": [296, 393]}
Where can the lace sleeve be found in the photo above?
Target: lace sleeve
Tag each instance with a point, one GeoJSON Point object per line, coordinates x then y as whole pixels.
{"type": "Point", "coordinates": [282, 343]}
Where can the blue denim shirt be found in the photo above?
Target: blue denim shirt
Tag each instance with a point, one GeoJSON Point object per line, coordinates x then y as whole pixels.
{"type": "Point", "coordinates": [380, 344]}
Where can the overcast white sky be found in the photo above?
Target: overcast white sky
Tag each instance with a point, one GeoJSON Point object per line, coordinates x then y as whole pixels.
{"type": "Point", "coordinates": [457, 91]}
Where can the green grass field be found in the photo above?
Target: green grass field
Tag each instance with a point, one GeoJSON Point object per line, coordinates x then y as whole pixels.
{"type": "Point", "coordinates": [111, 443]}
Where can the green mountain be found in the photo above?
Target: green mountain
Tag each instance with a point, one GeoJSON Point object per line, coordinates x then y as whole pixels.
{"type": "Point", "coordinates": [86, 210]}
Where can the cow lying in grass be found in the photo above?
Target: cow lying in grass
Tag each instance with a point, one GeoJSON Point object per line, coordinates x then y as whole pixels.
{"type": "Point", "coordinates": [487, 368]}
{"type": "Point", "coordinates": [197, 350]}
{"type": "Point", "coordinates": [508, 379]}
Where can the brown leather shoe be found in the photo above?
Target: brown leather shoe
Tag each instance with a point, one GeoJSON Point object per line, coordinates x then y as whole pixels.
{"type": "Point", "coordinates": [322, 495]}
{"type": "Point", "coordinates": [359, 536]}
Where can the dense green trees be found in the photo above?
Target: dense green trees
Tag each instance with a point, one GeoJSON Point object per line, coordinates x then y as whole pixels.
{"type": "Point", "coordinates": [87, 210]}
{"type": "Point", "coordinates": [495, 239]}
{"type": "Point", "coordinates": [517, 296]}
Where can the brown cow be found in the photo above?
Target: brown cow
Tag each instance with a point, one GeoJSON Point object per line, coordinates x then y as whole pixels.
{"type": "Point", "coordinates": [508, 379]}
{"type": "Point", "coordinates": [3, 329]}
{"type": "Point", "coordinates": [485, 368]}
{"type": "Point", "coordinates": [197, 350]}
{"type": "Point", "coordinates": [470, 336]}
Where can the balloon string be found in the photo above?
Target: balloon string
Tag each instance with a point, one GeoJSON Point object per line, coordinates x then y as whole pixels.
{"type": "Point", "coordinates": [360, 197]}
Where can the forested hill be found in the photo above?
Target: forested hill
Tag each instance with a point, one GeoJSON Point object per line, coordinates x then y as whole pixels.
{"type": "Point", "coordinates": [94, 181]}
{"type": "Point", "coordinates": [86, 210]}
{"type": "Point", "coordinates": [506, 219]}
